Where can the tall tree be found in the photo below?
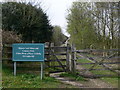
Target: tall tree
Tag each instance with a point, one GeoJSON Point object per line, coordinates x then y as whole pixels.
{"type": "Point", "coordinates": [28, 20]}
{"type": "Point", "coordinates": [94, 24]}
{"type": "Point", "coordinates": [58, 37]}
{"type": "Point", "coordinates": [107, 15]}
{"type": "Point", "coordinates": [81, 25]}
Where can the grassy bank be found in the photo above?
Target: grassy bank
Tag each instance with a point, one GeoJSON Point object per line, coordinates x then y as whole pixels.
{"type": "Point", "coordinates": [29, 81]}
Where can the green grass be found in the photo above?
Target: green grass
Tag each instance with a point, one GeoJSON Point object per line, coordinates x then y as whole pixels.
{"type": "Point", "coordinates": [88, 65]}
{"type": "Point", "coordinates": [84, 61]}
{"type": "Point", "coordinates": [112, 81]}
{"type": "Point", "coordinates": [72, 76]}
{"type": "Point", "coordinates": [96, 67]}
{"type": "Point", "coordinates": [104, 72]}
{"type": "Point", "coordinates": [90, 55]}
{"type": "Point", "coordinates": [29, 81]}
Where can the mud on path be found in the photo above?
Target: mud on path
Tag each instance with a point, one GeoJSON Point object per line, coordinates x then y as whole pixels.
{"type": "Point", "coordinates": [90, 83]}
{"type": "Point", "coordinates": [67, 80]}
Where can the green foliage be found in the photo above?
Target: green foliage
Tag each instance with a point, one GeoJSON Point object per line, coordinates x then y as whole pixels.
{"type": "Point", "coordinates": [28, 20]}
{"type": "Point", "coordinates": [58, 37]}
{"type": "Point", "coordinates": [94, 25]}
{"type": "Point", "coordinates": [106, 17]}
{"type": "Point", "coordinates": [80, 26]}
{"type": "Point", "coordinates": [113, 81]}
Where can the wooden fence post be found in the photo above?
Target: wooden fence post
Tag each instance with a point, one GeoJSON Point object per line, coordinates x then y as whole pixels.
{"type": "Point", "coordinates": [47, 45]}
{"type": "Point", "coordinates": [51, 46]}
{"type": "Point", "coordinates": [73, 60]}
{"type": "Point", "coordinates": [68, 58]}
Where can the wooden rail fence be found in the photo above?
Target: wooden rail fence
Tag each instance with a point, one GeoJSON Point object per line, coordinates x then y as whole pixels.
{"type": "Point", "coordinates": [57, 58]}
{"type": "Point", "coordinates": [88, 63]}
{"type": "Point", "coordinates": [98, 63]}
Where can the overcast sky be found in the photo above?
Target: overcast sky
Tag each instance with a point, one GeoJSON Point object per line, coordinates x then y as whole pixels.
{"type": "Point", "coordinates": [57, 11]}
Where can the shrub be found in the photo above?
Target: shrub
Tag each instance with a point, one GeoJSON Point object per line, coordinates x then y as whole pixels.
{"type": "Point", "coordinates": [9, 37]}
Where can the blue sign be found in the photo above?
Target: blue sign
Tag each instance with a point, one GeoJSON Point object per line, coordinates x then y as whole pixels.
{"type": "Point", "coordinates": [28, 52]}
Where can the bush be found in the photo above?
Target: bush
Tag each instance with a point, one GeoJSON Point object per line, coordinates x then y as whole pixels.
{"type": "Point", "coordinates": [9, 37]}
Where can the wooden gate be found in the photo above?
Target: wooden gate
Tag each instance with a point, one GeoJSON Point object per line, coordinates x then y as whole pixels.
{"type": "Point", "coordinates": [98, 63]}
{"type": "Point", "coordinates": [57, 58]}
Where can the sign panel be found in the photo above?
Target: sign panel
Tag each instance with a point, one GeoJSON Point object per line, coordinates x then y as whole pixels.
{"type": "Point", "coordinates": [28, 52]}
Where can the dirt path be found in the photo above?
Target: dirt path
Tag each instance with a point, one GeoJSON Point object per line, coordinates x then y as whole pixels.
{"type": "Point", "coordinates": [67, 80]}
{"type": "Point", "coordinates": [90, 83]}
{"type": "Point", "coordinates": [95, 83]}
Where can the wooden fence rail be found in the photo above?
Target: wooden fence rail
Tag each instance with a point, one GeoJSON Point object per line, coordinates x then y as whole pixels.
{"type": "Point", "coordinates": [95, 50]}
{"type": "Point", "coordinates": [51, 56]}
{"type": "Point", "coordinates": [103, 62]}
{"type": "Point", "coordinates": [54, 59]}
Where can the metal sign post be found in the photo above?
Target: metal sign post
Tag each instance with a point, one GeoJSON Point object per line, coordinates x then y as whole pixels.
{"type": "Point", "coordinates": [41, 74]}
{"type": "Point", "coordinates": [41, 70]}
{"type": "Point", "coordinates": [28, 52]}
{"type": "Point", "coordinates": [14, 68]}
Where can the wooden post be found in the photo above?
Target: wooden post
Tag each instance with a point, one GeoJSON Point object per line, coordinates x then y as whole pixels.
{"type": "Point", "coordinates": [70, 57]}
{"type": "Point", "coordinates": [47, 45]}
{"type": "Point", "coordinates": [73, 60]}
{"type": "Point", "coordinates": [67, 58]}
{"type": "Point", "coordinates": [1, 46]}
{"type": "Point", "coordinates": [52, 45]}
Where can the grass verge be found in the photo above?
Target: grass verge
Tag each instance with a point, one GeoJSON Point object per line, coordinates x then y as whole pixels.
{"type": "Point", "coordinates": [29, 81]}
{"type": "Point", "coordinates": [112, 81]}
